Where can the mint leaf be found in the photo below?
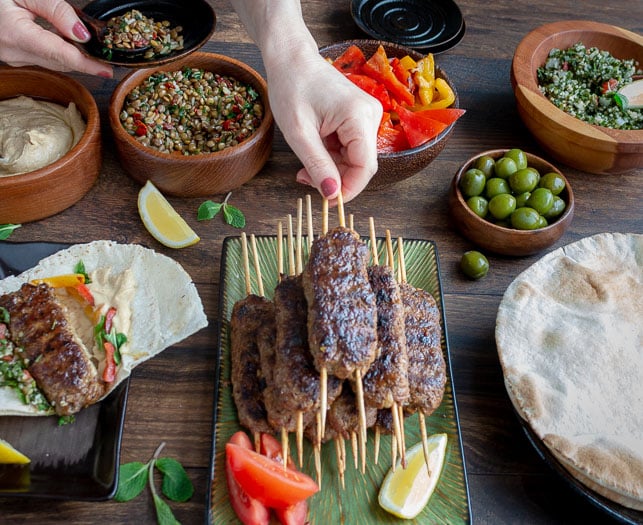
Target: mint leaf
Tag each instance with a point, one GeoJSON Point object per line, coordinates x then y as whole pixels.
{"type": "Point", "coordinates": [176, 483]}
{"type": "Point", "coordinates": [80, 268]}
{"type": "Point", "coordinates": [131, 480]}
{"type": "Point", "coordinates": [234, 216]}
{"type": "Point", "coordinates": [208, 210]}
{"type": "Point", "coordinates": [164, 514]}
{"type": "Point", "coordinates": [6, 230]}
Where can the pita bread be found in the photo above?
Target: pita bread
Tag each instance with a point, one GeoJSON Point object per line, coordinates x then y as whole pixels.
{"type": "Point", "coordinates": [165, 306]}
{"type": "Point", "coordinates": [569, 333]}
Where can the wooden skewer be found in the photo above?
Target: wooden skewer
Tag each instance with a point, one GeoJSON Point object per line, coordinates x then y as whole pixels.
{"type": "Point", "coordinates": [323, 373]}
{"type": "Point", "coordinates": [246, 270]}
{"type": "Point", "coordinates": [421, 418]}
{"type": "Point", "coordinates": [309, 217]}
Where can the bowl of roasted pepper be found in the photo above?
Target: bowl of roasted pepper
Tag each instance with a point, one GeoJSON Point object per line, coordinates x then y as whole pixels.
{"type": "Point", "coordinates": [419, 103]}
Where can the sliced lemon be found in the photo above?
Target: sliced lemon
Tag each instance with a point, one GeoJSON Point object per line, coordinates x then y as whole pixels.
{"type": "Point", "coordinates": [162, 220]}
{"type": "Point", "coordinates": [405, 492]}
{"type": "Point", "coordinates": [10, 455]}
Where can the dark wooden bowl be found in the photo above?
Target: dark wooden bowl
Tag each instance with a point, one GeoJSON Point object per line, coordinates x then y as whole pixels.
{"type": "Point", "coordinates": [396, 167]}
{"type": "Point", "coordinates": [583, 146]}
{"type": "Point", "coordinates": [501, 240]}
{"type": "Point", "coordinates": [54, 188]}
{"type": "Point", "coordinates": [194, 175]}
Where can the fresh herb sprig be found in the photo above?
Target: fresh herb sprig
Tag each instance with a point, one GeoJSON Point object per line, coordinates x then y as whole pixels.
{"type": "Point", "coordinates": [232, 216]}
{"type": "Point", "coordinates": [176, 484]}
{"type": "Point", "coordinates": [6, 230]}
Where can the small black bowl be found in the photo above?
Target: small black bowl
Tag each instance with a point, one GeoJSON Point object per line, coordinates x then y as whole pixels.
{"type": "Point", "coordinates": [196, 17]}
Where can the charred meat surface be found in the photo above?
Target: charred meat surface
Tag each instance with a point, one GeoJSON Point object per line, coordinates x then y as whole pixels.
{"type": "Point", "coordinates": [296, 385]}
{"type": "Point", "coordinates": [427, 369]}
{"type": "Point", "coordinates": [56, 357]}
{"type": "Point", "coordinates": [342, 313]}
{"type": "Point", "coordinates": [248, 316]}
{"type": "Point", "coordinates": [343, 416]}
{"type": "Point", "coordinates": [386, 381]}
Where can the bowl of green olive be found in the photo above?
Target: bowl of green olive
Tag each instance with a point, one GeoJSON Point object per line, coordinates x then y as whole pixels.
{"type": "Point", "coordinates": [511, 202]}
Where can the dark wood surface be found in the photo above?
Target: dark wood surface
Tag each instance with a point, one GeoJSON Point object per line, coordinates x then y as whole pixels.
{"type": "Point", "coordinates": [171, 396]}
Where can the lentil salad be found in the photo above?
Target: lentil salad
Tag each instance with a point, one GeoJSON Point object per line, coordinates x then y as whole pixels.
{"type": "Point", "coordinates": [583, 82]}
{"type": "Point", "coordinates": [191, 111]}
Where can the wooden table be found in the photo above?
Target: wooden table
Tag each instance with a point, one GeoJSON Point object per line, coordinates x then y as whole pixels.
{"type": "Point", "coordinates": [171, 396]}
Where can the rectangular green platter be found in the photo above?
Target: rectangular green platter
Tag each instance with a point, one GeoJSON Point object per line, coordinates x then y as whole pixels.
{"type": "Point", "coordinates": [357, 502]}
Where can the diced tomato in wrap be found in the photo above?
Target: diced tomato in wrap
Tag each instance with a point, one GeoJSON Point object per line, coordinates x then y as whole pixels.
{"type": "Point", "coordinates": [417, 127]}
{"type": "Point", "coordinates": [372, 87]}
{"type": "Point", "coordinates": [350, 61]}
{"type": "Point", "coordinates": [379, 68]}
{"type": "Point", "coordinates": [249, 510]}
{"type": "Point", "coordinates": [296, 514]}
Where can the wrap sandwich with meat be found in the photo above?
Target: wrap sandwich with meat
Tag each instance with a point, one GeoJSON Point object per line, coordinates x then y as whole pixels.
{"type": "Point", "coordinates": [64, 347]}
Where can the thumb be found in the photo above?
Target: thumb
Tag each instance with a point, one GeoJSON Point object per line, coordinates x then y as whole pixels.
{"type": "Point", "coordinates": [319, 170]}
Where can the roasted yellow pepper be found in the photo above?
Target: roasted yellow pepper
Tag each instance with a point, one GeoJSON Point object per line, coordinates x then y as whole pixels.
{"type": "Point", "coordinates": [62, 281]}
{"type": "Point", "coordinates": [443, 96]}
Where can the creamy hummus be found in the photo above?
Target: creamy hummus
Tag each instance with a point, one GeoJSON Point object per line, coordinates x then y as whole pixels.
{"type": "Point", "coordinates": [35, 133]}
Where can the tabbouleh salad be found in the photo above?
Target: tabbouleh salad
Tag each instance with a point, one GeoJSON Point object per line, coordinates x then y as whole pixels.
{"type": "Point", "coordinates": [583, 82]}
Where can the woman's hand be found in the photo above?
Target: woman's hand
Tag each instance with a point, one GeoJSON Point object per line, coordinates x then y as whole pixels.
{"type": "Point", "coordinates": [330, 124]}
{"type": "Point", "coordinates": [24, 42]}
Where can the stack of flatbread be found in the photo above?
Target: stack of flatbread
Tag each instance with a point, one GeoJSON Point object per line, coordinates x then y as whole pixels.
{"type": "Point", "coordinates": [569, 334]}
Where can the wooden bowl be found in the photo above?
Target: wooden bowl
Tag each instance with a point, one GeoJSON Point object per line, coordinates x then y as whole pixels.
{"type": "Point", "coordinates": [396, 167]}
{"type": "Point", "coordinates": [194, 175]}
{"type": "Point", "coordinates": [501, 240]}
{"type": "Point", "coordinates": [49, 190]}
{"type": "Point", "coordinates": [583, 146]}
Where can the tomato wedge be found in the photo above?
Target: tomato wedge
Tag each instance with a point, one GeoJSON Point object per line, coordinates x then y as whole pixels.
{"type": "Point", "coordinates": [418, 128]}
{"type": "Point", "coordinates": [350, 61]}
{"type": "Point", "coordinates": [249, 510]}
{"type": "Point", "coordinates": [296, 514]}
{"type": "Point", "coordinates": [378, 67]}
{"type": "Point", "coordinates": [372, 87]}
{"type": "Point", "coordinates": [266, 480]}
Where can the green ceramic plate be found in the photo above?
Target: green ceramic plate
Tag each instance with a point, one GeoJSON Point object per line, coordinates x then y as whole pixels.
{"type": "Point", "coordinates": [357, 502]}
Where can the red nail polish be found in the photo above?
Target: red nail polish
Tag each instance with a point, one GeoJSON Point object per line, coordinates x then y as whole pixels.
{"type": "Point", "coordinates": [80, 32]}
{"type": "Point", "coordinates": [328, 187]}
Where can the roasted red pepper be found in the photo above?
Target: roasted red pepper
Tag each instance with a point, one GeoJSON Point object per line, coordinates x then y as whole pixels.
{"type": "Point", "coordinates": [379, 68]}
{"type": "Point", "coordinates": [109, 374]}
{"type": "Point", "coordinates": [109, 317]}
{"type": "Point", "coordinates": [390, 138]}
{"type": "Point", "coordinates": [85, 293]}
{"type": "Point", "coordinates": [418, 128]}
{"type": "Point", "coordinates": [372, 87]}
{"type": "Point", "coordinates": [350, 61]}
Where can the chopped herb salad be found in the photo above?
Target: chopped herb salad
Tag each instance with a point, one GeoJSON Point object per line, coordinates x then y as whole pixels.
{"type": "Point", "coordinates": [584, 82]}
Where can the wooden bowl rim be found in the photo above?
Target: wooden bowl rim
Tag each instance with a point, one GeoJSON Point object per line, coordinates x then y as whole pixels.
{"type": "Point", "coordinates": [497, 153]}
{"type": "Point", "coordinates": [92, 121]}
{"type": "Point", "coordinates": [416, 55]}
{"type": "Point", "coordinates": [524, 76]}
{"type": "Point", "coordinates": [119, 94]}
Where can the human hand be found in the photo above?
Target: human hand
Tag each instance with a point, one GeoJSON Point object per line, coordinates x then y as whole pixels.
{"type": "Point", "coordinates": [24, 42]}
{"type": "Point", "coordinates": [330, 124]}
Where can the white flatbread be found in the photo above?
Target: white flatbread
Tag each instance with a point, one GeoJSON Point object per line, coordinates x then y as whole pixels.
{"type": "Point", "coordinates": [165, 306]}
{"type": "Point", "coordinates": [569, 333]}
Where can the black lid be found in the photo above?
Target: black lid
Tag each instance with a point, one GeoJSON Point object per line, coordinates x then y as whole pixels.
{"type": "Point", "coordinates": [424, 25]}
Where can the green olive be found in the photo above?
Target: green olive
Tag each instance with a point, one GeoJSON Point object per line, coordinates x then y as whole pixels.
{"type": "Point", "coordinates": [472, 182]}
{"type": "Point", "coordinates": [525, 218]}
{"type": "Point", "coordinates": [496, 186]}
{"type": "Point", "coordinates": [521, 199]}
{"type": "Point", "coordinates": [486, 164]}
{"type": "Point", "coordinates": [552, 181]}
{"type": "Point", "coordinates": [479, 205]}
{"type": "Point", "coordinates": [542, 222]}
{"type": "Point", "coordinates": [541, 200]}
{"type": "Point", "coordinates": [557, 208]}
{"type": "Point", "coordinates": [519, 157]}
{"type": "Point", "coordinates": [474, 264]}
{"type": "Point", "coordinates": [504, 167]}
{"type": "Point", "coordinates": [523, 180]}
{"type": "Point", "coordinates": [502, 205]}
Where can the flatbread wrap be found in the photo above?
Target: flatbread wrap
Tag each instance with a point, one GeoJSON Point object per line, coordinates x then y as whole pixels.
{"type": "Point", "coordinates": [146, 299]}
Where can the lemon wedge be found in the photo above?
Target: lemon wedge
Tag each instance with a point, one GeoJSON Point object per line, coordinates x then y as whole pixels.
{"type": "Point", "coordinates": [405, 492]}
{"type": "Point", "coordinates": [9, 455]}
{"type": "Point", "coordinates": [162, 220]}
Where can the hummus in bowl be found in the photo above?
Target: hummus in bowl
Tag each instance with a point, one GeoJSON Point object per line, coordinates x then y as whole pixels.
{"type": "Point", "coordinates": [35, 133]}
{"type": "Point", "coordinates": [70, 156]}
